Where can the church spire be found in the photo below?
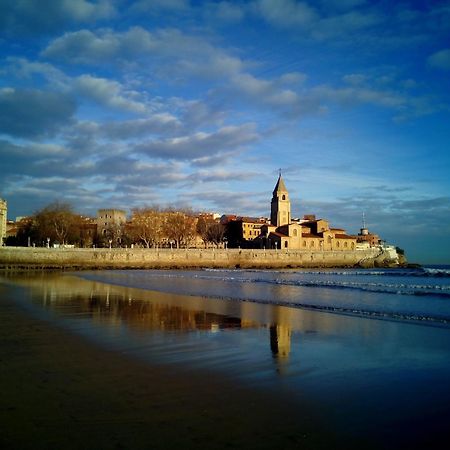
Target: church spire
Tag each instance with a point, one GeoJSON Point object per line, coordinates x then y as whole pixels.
{"type": "Point", "coordinates": [280, 186]}
{"type": "Point", "coordinates": [280, 211]}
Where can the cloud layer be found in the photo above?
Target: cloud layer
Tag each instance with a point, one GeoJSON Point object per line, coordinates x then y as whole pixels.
{"type": "Point", "coordinates": [125, 103]}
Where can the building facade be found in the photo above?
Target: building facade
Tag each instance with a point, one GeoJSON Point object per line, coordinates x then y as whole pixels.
{"type": "Point", "coordinates": [110, 223]}
{"type": "Point", "coordinates": [3, 214]}
{"type": "Point", "coordinates": [307, 234]}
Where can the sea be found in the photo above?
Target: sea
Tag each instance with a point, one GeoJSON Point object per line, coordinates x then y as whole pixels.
{"type": "Point", "coordinates": [370, 347]}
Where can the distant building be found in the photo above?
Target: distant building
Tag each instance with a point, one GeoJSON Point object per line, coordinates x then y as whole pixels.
{"type": "Point", "coordinates": [88, 232]}
{"type": "Point", "coordinates": [368, 238]}
{"type": "Point", "coordinates": [110, 223]}
{"type": "Point", "coordinates": [3, 214]}
{"type": "Point", "coordinates": [241, 231]}
{"type": "Point", "coordinates": [307, 234]}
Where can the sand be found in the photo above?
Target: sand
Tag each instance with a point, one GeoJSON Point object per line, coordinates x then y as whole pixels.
{"type": "Point", "coordinates": [60, 391]}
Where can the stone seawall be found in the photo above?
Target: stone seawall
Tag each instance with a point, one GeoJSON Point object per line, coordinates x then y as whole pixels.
{"type": "Point", "coordinates": [32, 258]}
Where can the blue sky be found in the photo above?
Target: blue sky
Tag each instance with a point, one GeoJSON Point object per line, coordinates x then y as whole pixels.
{"type": "Point", "coordinates": [115, 103]}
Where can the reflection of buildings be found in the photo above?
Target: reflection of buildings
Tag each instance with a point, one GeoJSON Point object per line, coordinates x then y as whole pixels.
{"type": "Point", "coordinates": [280, 341]}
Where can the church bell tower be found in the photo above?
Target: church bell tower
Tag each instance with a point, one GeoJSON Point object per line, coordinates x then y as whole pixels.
{"type": "Point", "coordinates": [280, 208]}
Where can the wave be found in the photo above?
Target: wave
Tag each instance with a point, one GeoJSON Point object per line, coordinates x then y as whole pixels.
{"type": "Point", "coordinates": [429, 309]}
{"type": "Point", "coordinates": [375, 314]}
{"type": "Point", "coordinates": [438, 290]}
{"type": "Point", "coordinates": [383, 288]}
{"type": "Point", "coordinates": [415, 272]}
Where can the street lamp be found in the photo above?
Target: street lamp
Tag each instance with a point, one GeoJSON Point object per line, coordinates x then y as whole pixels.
{"type": "Point", "coordinates": [48, 242]}
{"type": "Point", "coordinates": [225, 242]}
{"type": "Point", "coordinates": [110, 242]}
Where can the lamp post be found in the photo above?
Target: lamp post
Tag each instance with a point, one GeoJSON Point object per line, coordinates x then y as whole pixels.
{"type": "Point", "coordinates": [48, 242]}
{"type": "Point", "coordinates": [225, 242]}
{"type": "Point", "coordinates": [110, 242]}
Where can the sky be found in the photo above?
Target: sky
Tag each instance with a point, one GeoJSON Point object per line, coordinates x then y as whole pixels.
{"type": "Point", "coordinates": [123, 104]}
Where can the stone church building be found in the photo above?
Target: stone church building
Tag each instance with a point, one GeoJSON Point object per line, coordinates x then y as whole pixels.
{"type": "Point", "coordinates": [308, 233]}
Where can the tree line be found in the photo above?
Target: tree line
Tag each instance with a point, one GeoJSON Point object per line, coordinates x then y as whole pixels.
{"type": "Point", "coordinates": [153, 226]}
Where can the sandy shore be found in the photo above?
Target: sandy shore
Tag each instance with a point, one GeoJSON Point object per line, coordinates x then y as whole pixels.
{"type": "Point", "coordinates": [59, 391]}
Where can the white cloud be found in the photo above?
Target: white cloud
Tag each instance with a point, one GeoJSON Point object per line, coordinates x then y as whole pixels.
{"type": "Point", "coordinates": [86, 47]}
{"type": "Point", "coordinates": [31, 17]}
{"type": "Point", "coordinates": [440, 59]}
{"type": "Point", "coordinates": [200, 144]}
{"type": "Point", "coordinates": [224, 11]}
{"type": "Point", "coordinates": [287, 13]}
{"type": "Point", "coordinates": [106, 92]}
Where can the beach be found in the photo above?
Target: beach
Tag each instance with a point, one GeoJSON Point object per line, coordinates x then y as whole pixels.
{"type": "Point", "coordinates": [103, 360]}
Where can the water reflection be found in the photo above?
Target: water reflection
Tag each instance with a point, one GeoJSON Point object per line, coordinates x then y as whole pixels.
{"type": "Point", "coordinates": [142, 312]}
{"type": "Point", "coordinates": [223, 334]}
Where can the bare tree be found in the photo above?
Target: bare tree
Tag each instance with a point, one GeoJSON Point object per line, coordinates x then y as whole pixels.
{"type": "Point", "coordinates": [148, 225]}
{"type": "Point", "coordinates": [179, 227]}
{"type": "Point", "coordinates": [57, 222]}
{"type": "Point", "coordinates": [210, 231]}
{"type": "Point", "coordinates": [215, 233]}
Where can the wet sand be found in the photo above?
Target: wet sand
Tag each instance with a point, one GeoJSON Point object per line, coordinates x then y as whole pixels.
{"type": "Point", "coordinates": [90, 364]}
{"type": "Point", "coordinates": [60, 391]}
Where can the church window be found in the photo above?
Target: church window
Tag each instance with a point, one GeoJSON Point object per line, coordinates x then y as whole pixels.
{"type": "Point", "coordinates": [285, 244]}
{"type": "Point", "coordinates": [304, 243]}
{"type": "Point", "coordinates": [329, 239]}
{"type": "Point", "coordinates": [283, 197]}
{"type": "Point", "coordinates": [345, 244]}
{"type": "Point", "coordinates": [312, 244]}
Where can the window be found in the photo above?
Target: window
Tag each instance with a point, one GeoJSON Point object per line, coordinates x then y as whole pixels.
{"type": "Point", "coordinates": [304, 243]}
{"type": "Point", "coordinates": [285, 244]}
{"type": "Point", "coordinates": [329, 239]}
{"type": "Point", "coordinates": [283, 197]}
{"type": "Point", "coordinates": [345, 244]}
{"type": "Point", "coordinates": [294, 232]}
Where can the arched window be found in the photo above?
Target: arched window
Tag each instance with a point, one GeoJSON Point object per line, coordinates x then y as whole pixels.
{"type": "Point", "coordinates": [345, 244]}
{"type": "Point", "coordinates": [304, 243]}
{"type": "Point", "coordinates": [329, 239]}
{"type": "Point", "coordinates": [312, 244]}
{"type": "Point", "coordinates": [285, 244]}
{"type": "Point", "coordinates": [283, 197]}
{"type": "Point", "coordinates": [294, 232]}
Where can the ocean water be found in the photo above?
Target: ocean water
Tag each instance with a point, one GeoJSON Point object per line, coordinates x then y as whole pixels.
{"type": "Point", "coordinates": [420, 294]}
{"type": "Point", "coordinates": [370, 348]}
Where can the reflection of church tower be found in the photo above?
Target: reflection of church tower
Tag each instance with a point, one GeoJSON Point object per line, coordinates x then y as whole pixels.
{"type": "Point", "coordinates": [280, 210]}
{"type": "Point", "coordinates": [280, 341]}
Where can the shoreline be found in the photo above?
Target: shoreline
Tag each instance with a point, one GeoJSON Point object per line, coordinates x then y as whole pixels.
{"type": "Point", "coordinates": [62, 391]}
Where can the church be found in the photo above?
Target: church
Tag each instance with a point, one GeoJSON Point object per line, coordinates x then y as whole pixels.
{"type": "Point", "coordinates": [308, 233]}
